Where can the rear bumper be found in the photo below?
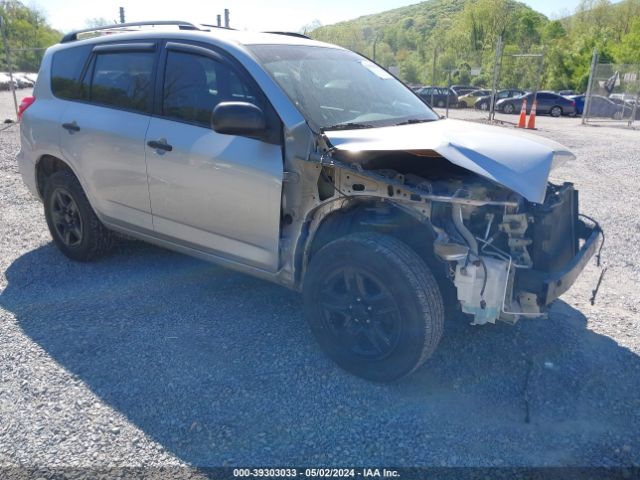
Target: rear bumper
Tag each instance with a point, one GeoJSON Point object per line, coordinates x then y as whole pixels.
{"type": "Point", "coordinates": [549, 286]}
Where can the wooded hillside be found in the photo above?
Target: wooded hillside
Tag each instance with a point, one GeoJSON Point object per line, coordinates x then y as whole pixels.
{"type": "Point", "coordinates": [462, 34]}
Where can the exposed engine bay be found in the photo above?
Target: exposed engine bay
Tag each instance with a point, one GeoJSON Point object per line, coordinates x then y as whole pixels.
{"type": "Point", "coordinates": [507, 257]}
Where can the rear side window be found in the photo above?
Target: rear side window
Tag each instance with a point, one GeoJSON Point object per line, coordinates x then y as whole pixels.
{"type": "Point", "coordinates": [66, 69]}
{"type": "Point", "coordinates": [195, 84]}
{"type": "Point", "coordinates": [123, 80]}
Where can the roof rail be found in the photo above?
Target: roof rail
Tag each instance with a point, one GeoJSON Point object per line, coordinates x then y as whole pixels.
{"type": "Point", "coordinates": [291, 34]}
{"type": "Point", "coordinates": [72, 36]}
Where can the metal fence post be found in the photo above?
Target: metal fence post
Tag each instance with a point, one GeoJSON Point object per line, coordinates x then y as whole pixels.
{"type": "Point", "coordinates": [539, 79]}
{"type": "Point", "coordinates": [592, 76]}
{"type": "Point", "coordinates": [448, 93]}
{"type": "Point", "coordinates": [7, 53]}
{"type": "Point", "coordinates": [494, 84]}
{"type": "Point", "coordinates": [634, 111]}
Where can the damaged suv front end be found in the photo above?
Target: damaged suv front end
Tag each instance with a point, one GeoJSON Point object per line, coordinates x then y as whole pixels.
{"type": "Point", "coordinates": [513, 242]}
{"type": "Point", "coordinates": [389, 210]}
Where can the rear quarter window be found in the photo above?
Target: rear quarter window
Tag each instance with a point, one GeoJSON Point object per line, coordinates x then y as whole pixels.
{"type": "Point", "coordinates": [66, 69]}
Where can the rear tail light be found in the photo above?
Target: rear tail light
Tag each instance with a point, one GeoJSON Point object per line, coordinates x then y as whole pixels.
{"type": "Point", "coordinates": [24, 104]}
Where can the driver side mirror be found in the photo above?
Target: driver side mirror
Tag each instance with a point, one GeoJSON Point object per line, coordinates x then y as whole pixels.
{"type": "Point", "coordinates": [238, 118]}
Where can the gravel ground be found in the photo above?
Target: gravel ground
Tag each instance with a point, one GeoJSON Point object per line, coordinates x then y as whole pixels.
{"type": "Point", "coordinates": [151, 358]}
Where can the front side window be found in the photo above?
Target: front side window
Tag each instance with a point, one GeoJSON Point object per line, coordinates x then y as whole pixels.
{"type": "Point", "coordinates": [123, 80]}
{"type": "Point", "coordinates": [195, 84]}
{"type": "Point", "coordinates": [66, 69]}
{"type": "Point", "coordinates": [333, 87]}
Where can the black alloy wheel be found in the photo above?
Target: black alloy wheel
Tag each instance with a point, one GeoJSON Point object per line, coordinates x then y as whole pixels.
{"type": "Point", "coordinates": [66, 217]}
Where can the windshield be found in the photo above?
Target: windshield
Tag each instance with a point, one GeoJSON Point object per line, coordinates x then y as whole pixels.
{"type": "Point", "coordinates": [336, 88]}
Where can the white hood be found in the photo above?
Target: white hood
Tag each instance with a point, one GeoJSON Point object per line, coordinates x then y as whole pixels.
{"type": "Point", "coordinates": [517, 160]}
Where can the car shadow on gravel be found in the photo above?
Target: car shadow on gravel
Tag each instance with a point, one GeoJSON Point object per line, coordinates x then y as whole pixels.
{"type": "Point", "coordinates": [220, 368]}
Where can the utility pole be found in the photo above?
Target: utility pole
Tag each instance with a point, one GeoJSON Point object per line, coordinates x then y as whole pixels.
{"type": "Point", "coordinates": [219, 20]}
{"type": "Point", "coordinates": [7, 53]}
{"type": "Point", "coordinates": [375, 41]}
{"type": "Point", "coordinates": [496, 73]}
{"type": "Point", "coordinates": [226, 18]}
{"type": "Point", "coordinates": [433, 73]}
{"type": "Point", "coordinates": [121, 14]}
{"type": "Point", "coordinates": [592, 76]}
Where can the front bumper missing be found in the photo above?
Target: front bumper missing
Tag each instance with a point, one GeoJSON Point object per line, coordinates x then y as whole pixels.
{"type": "Point", "coordinates": [549, 286]}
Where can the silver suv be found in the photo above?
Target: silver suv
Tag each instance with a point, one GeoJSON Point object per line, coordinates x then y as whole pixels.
{"type": "Point", "coordinates": [307, 165]}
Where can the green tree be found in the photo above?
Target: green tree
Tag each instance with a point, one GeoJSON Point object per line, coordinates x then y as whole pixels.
{"type": "Point", "coordinates": [28, 34]}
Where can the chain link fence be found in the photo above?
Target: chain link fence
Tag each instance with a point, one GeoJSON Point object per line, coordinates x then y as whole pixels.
{"type": "Point", "coordinates": [613, 95]}
{"type": "Point", "coordinates": [17, 71]}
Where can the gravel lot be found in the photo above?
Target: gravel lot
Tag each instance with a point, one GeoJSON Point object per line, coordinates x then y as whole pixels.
{"type": "Point", "coordinates": [151, 358]}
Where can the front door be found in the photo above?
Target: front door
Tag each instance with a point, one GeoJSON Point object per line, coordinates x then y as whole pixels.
{"type": "Point", "coordinates": [216, 193]}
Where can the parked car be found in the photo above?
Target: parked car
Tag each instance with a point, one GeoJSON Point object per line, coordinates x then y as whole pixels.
{"type": "Point", "coordinates": [463, 89]}
{"type": "Point", "coordinates": [23, 80]}
{"type": "Point", "coordinates": [233, 147]}
{"type": "Point", "coordinates": [548, 103]}
{"type": "Point", "coordinates": [438, 96]}
{"type": "Point", "coordinates": [5, 82]}
{"type": "Point", "coordinates": [484, 103]}
{"type": "Point", "coordinates": [566, 93]}
{"type": "Point", "coordinates": [469, 100]}
{"type": "Point", "coordinates": [600, 106]}
{"type": "Point", "coordinates": [579, 100]}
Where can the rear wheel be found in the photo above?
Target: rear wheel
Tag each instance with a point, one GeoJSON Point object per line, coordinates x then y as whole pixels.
{"type": "Point", "coordinates": [73, 224]}
{"type": "Point", "coordinates": [483, 106]}
{"type": "Point", "coordinates": [462, 105]}
{"type": "Point", "coordinates": [555, 111]}
{"type": "Point", "coordinates": [440, 103]}
{"type": "Point", "coordinates": [509, 108]}
{"type": "Point", "coordinates": [373, 305]}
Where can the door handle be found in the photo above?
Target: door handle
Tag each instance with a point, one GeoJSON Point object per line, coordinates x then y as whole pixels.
{"type": "Point", "coordinates": [71, 127]}
{"type": "Point", "coordinates": [160, 145]}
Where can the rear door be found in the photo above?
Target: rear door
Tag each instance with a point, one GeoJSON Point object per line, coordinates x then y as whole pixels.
{"type": "Point", "coordinates": [212, 192]}
{"type": "Point", "coordinates": [103, 131]}
{"type": "Point", "coordinates": [546, 101]}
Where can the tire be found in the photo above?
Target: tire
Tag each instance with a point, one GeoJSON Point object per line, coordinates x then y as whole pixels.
{"type": "Point", "coordinates": [440, 103]}
{"type": "Point", "coordinates": [555, 111]}
{"type": "Point", "coordinates": [462, 105]}
{"type": "Point", "coordinates": [383, 274]}
{"type": "Point", "coordinates": [483, 106]}
{"type": "Point", "coordinates": [73, 224]}
{"type": "Point", "coordinates": [509, 108]}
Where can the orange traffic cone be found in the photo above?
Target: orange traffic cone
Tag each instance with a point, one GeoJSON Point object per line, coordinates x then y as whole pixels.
{"type": "Point", "coordinates": [532, 117]}
{"type": "Point", "coordinates": [523, 115]}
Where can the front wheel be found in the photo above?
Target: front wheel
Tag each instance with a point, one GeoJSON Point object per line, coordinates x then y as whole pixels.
{"type": "Point", "coordinates": [462, 105]}
{"type": "Point", "coordinates": [73, 224]}
{"type": "Point", "coordinates": [509, 108]}
{"type": "Point", "coordinates": [373, 305]}
{"type": "Point", "coordinates": [556, 111]}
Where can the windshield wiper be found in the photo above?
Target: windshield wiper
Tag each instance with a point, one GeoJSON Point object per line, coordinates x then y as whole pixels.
{"type": "Point", "coordinates": [411, 121]}
{"type": "Point", "coordinates": [348, 126]}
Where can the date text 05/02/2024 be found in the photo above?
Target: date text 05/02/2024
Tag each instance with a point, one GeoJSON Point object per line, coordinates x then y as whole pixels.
{"type": "Point", "coordinates": [316, 472]}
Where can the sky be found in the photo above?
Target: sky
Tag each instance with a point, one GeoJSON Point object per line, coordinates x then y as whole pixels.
{"type": "Point", "coordinates": [289, 15]}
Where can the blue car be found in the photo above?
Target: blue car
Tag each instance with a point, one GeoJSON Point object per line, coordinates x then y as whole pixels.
{"type": "Point", "coordinates": [579, 99]}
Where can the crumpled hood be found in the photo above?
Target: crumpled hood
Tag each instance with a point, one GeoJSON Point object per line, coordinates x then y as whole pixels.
{"type": "Point", "coordinates": [517, 160]}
